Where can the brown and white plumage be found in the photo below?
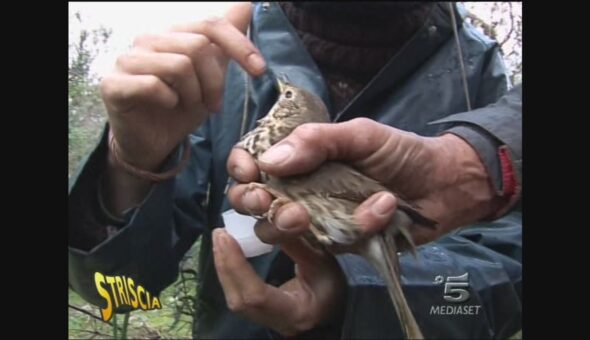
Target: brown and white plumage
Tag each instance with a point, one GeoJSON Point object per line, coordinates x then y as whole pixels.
{"type": "Point", "coordinates": [283, 118]}
{"type": "Point", "coordinates": [330, 195]}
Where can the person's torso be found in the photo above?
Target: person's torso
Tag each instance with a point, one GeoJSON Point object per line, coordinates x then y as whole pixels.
{"type": "Point", "coordinates": [420, 84]}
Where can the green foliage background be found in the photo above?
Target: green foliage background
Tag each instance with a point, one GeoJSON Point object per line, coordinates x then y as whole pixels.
{"type": "Point", "coordinates": [86, 113]}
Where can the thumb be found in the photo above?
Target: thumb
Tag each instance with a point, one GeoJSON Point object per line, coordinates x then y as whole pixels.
{"type": "Point", "coordinates": [240, 15]}
{"type": "Point", "coordinates": [310, 145]}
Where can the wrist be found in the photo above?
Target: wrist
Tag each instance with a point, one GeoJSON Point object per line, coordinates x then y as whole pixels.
{"type": "Point", "coordinates": [147, 174]}
{"type": "Point", "coordinates": [468, 191]}
{"type": "Point", "coordinates": [120, 189]}
{"type": "Point", "coordinates": [140, 160]}
{"type": "Point", "coordinates": [116, 171]}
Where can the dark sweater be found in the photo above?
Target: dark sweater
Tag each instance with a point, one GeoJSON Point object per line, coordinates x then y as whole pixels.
{"type": "Point", "coordinates": [351, 49]}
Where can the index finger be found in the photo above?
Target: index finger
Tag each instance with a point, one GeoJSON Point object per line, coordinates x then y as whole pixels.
{"type": "Point", "coordinates": [241, 166]}
{"type": "Point", "coordinates": [228, 33]}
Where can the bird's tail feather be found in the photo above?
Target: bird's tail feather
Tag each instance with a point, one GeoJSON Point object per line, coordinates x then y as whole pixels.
{"type": "Point", "coordinates": [382, 247]}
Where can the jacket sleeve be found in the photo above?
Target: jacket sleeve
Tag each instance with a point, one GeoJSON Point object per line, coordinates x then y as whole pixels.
{"type": "Point", "coordinates": [152, 238]}
{"type": "Point", "coordinates": [495, 132]}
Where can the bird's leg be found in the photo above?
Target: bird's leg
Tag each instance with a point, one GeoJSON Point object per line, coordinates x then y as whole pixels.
{"type": "Point", "coordinates": [255, 185]}
{"type": "Point", "coordinates": [275, 206]}
{"type": "Point", "coordinates": [278, 202]}
{"type": "Point", "coordinates": [251, 187]}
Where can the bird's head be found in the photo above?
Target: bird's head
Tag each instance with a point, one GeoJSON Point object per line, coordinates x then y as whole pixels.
{"type": "Point", "coordinates": [298, 105]}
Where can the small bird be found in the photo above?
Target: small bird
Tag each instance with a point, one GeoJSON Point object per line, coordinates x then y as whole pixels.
{"type": "Point", "coordinates": [330, 195]}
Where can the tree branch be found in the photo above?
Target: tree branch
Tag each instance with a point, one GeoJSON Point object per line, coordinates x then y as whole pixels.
{"type": "Point", "coordinates": [509, 34]}
{"type": "Point", "coordinates": [91, 332]}
{"type": "Point", "coordinates": [91, 315]}
{"type": "Point", "coordinates": [86, 312]}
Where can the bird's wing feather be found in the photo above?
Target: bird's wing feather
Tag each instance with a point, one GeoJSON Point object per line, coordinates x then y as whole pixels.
{"type": "Point", "coordinates": [337, 180]}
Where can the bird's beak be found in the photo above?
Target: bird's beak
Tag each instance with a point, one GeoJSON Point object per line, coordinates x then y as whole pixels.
{"type": "Point", "coordinates": [282, 85]}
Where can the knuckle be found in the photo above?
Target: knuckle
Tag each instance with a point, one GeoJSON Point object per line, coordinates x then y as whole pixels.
{"type": "Point", "coordinates": [181, 65]}
{"type": "Point", "coordinates": [117, 97]}
{"type": "Point", "coordinates": [236, 304]}
{"type": "Point", "coordinates": [107, 85]}
{"type": "Point", "coordinates": [195, 44]}
{"type": "Point", "coordinates": [309, 134]}
{"type": "Point", "coordinates": [143, 39]}
{"type": "Point", "coordinates": [151, 84]}
{"type": "Point", "coordinates": [214, 21]}
{"type": "Point", "coordinates": [122, 60]}
{"type": "Point", "coordinates": [254, 299]}
{"type": "Point", "coordinates": [368, 134]}
{"type": "Point", "coordinates": [125, 60]}
{"type": "Point", "coordinates": [363, 123]}
{"type": "Point", "coordinates": [247, 300]}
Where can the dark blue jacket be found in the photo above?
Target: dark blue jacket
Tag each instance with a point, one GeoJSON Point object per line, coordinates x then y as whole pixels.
{"type": "Point", "coordinates": [420, 85]}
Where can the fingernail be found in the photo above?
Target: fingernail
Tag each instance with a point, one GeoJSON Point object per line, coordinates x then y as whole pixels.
{"type": "Point", "coordinates": [277, 154]}
{"type": "Point", "coordinates": [251, 201]}
{"type": "Point", "coordinates": [285, 219]}
{"type": "Point", "coordinates": [384, 205]}
{"type": "Point", "coordinates": [256, 62]}
{"type": "Point", "coordinates": [238, 172]}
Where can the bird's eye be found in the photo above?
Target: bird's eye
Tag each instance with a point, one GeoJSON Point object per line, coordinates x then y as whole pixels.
{"type": "Point", "coordinates": [288, 94]}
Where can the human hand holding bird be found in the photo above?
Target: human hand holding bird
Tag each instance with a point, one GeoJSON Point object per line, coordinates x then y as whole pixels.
{"type": "Point", "coordinates": [428, 171]}
{"type": "Point", "coordinates": [331, 194]}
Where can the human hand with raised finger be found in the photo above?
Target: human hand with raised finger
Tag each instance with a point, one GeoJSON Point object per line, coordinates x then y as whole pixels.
{"type": "Point", "coordinates": [164, 88]}
{"type": "Point", "coordinates": [166, 85]}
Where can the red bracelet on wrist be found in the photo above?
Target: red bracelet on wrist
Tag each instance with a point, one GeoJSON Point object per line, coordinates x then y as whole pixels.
{"type": "Point", "coordinates": [511, 188]}
{"type": "Point", "coordinates": [148, 175]}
